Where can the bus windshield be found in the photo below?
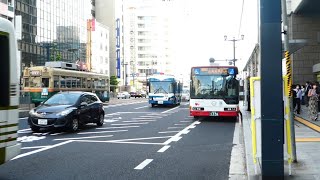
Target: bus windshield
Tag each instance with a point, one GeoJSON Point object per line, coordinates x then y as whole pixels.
{"type": "Point", "coordinates": [161, 87]}
{"type": "Point", "coordinates": [214, 87]}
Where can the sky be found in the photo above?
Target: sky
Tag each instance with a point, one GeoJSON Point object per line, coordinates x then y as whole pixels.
{"type": "Point", "coordinates": [204, 25]}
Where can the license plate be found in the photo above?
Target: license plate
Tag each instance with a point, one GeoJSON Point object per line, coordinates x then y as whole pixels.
{"type": "Point", "coordinates": [42, 121]}
{"type": "Point", "coordinates": [214, 114]}
{"type": "Point", "coordinates": [160, 102]}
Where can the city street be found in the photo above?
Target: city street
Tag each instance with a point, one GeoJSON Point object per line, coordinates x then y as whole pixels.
{"type": "Point", "coordinates": [136, 142]}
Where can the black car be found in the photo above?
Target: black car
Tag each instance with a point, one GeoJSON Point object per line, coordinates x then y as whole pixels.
{"type": "Point", "coordinates": [67, 110]}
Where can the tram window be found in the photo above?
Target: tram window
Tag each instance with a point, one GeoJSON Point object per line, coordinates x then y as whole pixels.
{"type": "Point", "coordinates": [78, 82]}
{"type": "Point", "coordinates": [45, 82]}
{"type": "Point", "coordinates": [56, 81]}
{"type": "Point", "coordinates": [63, 82]}
{"type": "Point", "coordinates": [26, 82]}
{"type": "Point", "coordinates": [35, 82]}
{"type": "Point", "coordinates": [84, 82]}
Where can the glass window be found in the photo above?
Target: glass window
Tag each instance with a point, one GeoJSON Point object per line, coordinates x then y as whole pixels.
{"type": "Point", "coordinates": [26, 82]}
{"type": "Point", "coordinates": [45, 82]}
{"type": "Point", "coordinates": [56, 81]}
{"type": "Point", "coordinates": [93, 98]}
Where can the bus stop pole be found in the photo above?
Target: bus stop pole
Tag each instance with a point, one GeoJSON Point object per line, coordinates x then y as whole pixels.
{"type": "Point", "coordinates": [272, 115]}
{"type": "Point", "coordinates": [289, 75]}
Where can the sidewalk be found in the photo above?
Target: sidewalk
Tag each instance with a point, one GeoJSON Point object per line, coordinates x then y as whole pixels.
{"type": "Point", "coordinates": [307, 145]}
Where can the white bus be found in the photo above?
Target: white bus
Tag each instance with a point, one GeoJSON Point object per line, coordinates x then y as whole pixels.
{"type": "Point", "coordinates": [214, 91]}
{"type": "Point", "coordinates": [164, 90]}
{"type": "Point", "coordinates": [9, 98]}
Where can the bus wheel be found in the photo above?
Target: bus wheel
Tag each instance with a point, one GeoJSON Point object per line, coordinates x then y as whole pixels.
{"type": "Point", "coordinates": [35, 129]}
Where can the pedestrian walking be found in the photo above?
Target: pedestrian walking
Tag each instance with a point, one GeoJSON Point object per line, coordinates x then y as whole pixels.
{"type": "Point", "coordinates": [308, 87]}
{"type": "Point", "coordinates": [313, 103]}
{"type": "Point", "coordinates": [298, 98]}
{"type": "Point", "coordinates": [303, 91]}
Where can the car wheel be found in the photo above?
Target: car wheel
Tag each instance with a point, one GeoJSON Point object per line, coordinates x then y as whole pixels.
{"type": "Point", "coordinates": [74, 126]}
{"type": "Point", "coordinates": [118, 98]}
{"type": "Point", "coordinates": [101, 120]}
{"type": "Point", "coordinates": [35, 128]}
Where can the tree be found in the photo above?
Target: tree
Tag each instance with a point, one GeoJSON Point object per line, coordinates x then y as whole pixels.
{"type": "Point", "coordinates": [113, 83]}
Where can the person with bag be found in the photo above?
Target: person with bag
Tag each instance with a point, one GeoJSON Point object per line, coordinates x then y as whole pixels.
{"type": "Point", "coordinates": [313, 103]}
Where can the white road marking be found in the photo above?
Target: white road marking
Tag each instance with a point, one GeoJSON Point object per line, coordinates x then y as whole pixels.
{"type": "Point", "coordinates": [110, 120]}
{"type": "Point", "coordinates": [170, 110]}
{"type": "Point", "coordinates": [163, 149]}
{"type": "Point", "coordinates": [174, 127]}
{"type": "Point", "coordinates": [118, 127]}
{"type": "Point", "coordinates": [142, 118]}
{"type": "Point", "coordinates": [29, 138]}
{"type": "Point", "coordinates": [57, 134]}
{"type": "Point", "coordinates": [179, 124]}
{"type": "Point", "coordinates": [186, 132]}
{"type": "Point", "coordinates": [147, 120]}
{"type": "Point", "coordinates": [164, 132]}
{"type": "Point", "coordinates": [100, 132]}
{"type": "Point", "coordinates": [128, 124]}
{"type": "Point", "coordinates": [23, 118]}
{"type": "Point", "coordinates": [119, 142]}
{"type": "Point", "coordinates": [141, 107]}
{"type": "Point", "coordinates": [143, 164]}
{"type": "Point", "coordinates": [135, 139]}
{"type": "Point", "coordinates": [184, 121]}
{"type": "Point", "coordinates": [34, 147]}
{"type": "Point", "coordinates": [180, 133]}
{"type": "Point", "coordinates": [139, 121]}
{"type": "Point", "coordinates": [90, 137]}
{"type": "Point", "coordinates": [40, 150]}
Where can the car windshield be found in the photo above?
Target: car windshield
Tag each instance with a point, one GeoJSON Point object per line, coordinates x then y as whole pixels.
{"type": "Point", "coordinates": [63, 99]}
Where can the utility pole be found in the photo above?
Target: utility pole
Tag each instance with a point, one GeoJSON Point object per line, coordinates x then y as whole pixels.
{"type": "Point", "coordinates": [272, 122]}
{"type": "Point", "coordinates": [289, 75]}
{"type": "Point", "coordinates": [234, 46]}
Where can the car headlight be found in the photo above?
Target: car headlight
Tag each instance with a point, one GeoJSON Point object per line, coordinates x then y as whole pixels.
{"type": "Point", "coordinates": [32, 112]}
{"type": "Point", "coordinates": [64, 112]}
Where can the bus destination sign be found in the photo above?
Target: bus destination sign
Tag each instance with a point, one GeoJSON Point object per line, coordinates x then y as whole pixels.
{"type": "Point", "coordinates": [212, 71]}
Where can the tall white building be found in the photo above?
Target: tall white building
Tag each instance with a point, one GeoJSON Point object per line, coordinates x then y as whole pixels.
{"type": "Point", "coordinates": [148, 35]}
{"type": "Point", "coordinates": [100, 49]}
{"type": "Point", "coordinates": [110, 13]}
{"type": "Point", "coordinates": [7, 9]}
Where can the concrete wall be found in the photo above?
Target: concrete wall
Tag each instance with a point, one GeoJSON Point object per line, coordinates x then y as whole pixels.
{"type": "Point", "coordinates": [305, 27]}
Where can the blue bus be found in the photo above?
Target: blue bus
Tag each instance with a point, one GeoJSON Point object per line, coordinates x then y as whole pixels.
{"type": "Point", "coordinates": [164, 90]}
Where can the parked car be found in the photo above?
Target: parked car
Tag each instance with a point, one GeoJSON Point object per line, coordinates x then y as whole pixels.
{"type": "Point", "coordinates": [123, 95]}
{"type": "Point", "coordinates": [133, 94]}
{"type": "Point", "coordinates": [67, 110]}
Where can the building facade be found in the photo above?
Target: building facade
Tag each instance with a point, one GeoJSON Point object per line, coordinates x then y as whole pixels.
{"type": "Point", "coordinates": [100, 49]}
{"type": "Point", "coordinates": [53, 30]}
{"type": "Point", "coordinates": [7, 9]}
{"type": "Point", "coordinates": [110, 13]}
{"type": "Point", "coordinates": [148, 39]}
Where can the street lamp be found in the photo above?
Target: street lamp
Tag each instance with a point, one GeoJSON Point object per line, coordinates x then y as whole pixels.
{"type": "Point", "coordinates": [234, 46]}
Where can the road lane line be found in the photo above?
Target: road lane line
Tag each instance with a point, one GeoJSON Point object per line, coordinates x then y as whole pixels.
{"type": "Point", "coordinates": [40, 150]}
{"type": "Point", "coordinates": [163, 149]}
{"type": "Point", "coordinates": [141, 118]}
{"type": "Point", "coordinates": [174, 127]}
{"type": "Point", "coordinates": [128, 124]}
{"type": "Point", "coordinates": [170, 110]}
{"type": "Point", "coordinates": [90, 137]}
{"type": "Point", "coordinates": [100, 132]}
{"type": "Point", "coordinates": [121, 127]}
{"type": "Point", "coordinates": [186, 132]}
{"type": "Point", "coordinates": [143, 164]}
{"type": "Point", "coordinates": [164, 132]}
{"type": "Point", "coordinates": [141, 107]}
{"type": "Point", "coordinates": [135, 139]}
{"type": "Point", "coordinates": [120, 142]}
{"type": "Point", "coordinates": [34, 147]}
{"type": "Point", "coordinates": [179, 124]}
{"type": "Point", "coordinates": [57, 134]}
{"type": "Point", "coordinates": [181, 132]}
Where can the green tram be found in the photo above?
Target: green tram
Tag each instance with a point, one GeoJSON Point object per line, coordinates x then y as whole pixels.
{"type": "Point", "coordinates": [42, 82]}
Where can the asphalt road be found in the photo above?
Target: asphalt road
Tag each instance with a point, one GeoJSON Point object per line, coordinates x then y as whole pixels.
{"type": "Point", "coordinates": [136, 142]}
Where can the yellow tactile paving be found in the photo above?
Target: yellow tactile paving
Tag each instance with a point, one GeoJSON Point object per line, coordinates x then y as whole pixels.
{"type": "Point", "coordinates": [312, 139]}
{"type": "Point", "coordinates": [307, 123]}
